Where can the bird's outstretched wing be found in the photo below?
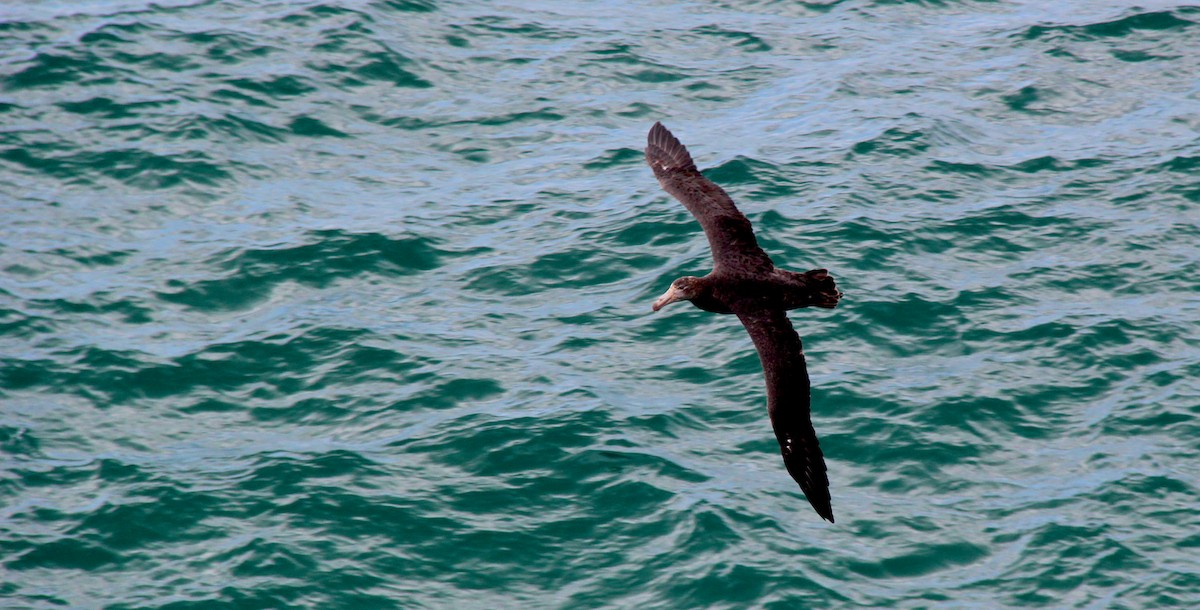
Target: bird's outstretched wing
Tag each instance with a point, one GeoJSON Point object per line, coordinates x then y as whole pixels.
{"type": "Point", "coordinates": [730, 236]}
{"type": "Point", "coordinates": [782, 357]}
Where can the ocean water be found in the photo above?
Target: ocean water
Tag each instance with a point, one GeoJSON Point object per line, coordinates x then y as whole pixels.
{"type": "Point", "coordinates": [347, 304]}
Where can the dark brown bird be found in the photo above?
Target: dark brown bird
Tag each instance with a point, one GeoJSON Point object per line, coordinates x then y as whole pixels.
{"type": "Point", "coordinates": [746, 283]}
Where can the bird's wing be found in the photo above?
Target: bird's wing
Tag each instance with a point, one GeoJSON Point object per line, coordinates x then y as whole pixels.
{"type": "Point", "coordinates": [782, 357]}
{"type": "Point", "coordinates": [730, 236]}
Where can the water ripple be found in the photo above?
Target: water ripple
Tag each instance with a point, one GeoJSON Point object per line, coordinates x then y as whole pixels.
{"type": "Point", "coordinates": [346, 304]}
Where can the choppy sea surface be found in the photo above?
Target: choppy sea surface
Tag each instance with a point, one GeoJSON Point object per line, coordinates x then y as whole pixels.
{"type": "Point", "coordinates": [347, 304]}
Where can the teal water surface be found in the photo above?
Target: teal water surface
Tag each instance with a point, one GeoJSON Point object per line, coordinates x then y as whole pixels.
{"type": "Point", "coordinates": [347, 304]}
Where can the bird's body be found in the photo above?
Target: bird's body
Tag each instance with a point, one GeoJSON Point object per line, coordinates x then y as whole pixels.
{"type": "Point", "coordinates": [746, 283]}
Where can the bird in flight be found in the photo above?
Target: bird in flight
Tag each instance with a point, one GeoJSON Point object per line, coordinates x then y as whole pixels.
{"type": "Point", "coordinates": [745, 282]}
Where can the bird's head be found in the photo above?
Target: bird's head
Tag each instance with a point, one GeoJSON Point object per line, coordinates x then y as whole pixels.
{"type": "Point", "coordinates": [683, 289]}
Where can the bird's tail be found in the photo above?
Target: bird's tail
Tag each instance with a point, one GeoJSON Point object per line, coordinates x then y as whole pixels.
{"type": "Point", "coordinates": [665, 153]}
{"type": "Point", "coordinates": [823, 288]}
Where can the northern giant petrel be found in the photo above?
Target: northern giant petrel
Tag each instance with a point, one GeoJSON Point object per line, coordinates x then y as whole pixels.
{"type": "Point", "coordinates": [745, 282]}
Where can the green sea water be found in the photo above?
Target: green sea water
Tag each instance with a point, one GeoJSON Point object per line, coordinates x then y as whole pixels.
{"type": "Point", "coordinates": [347, 304]}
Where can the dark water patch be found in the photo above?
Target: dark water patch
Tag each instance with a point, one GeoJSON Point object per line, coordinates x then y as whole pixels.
{"type": "Point", "coordinates": [359, 59]}
{"type": "Point", "coordinates": [102, 304]}
{"type": "Point", "coordinates": [125, 33]}
{"type": "Point", "coordinates": [227, 47]}
{"type": "Point", "coordinates": [1022, 99]}
{"type": "Point", "coordinates": [279, 87]}
{"type": "Point", "coordinates": [313, 128]}
{"type": "Point", "coordinates": [19, 441]}
{"type": "Point", "coordinates": [63, 554]}
{"type": "Point", "coordinates": [619, 53]}
{"type": "Point", "coordinates": [332, 255]}
{"type": "Point", "coordinates": [523, 447]}
{"type": "Point", "coordinates": [423, 540]}
{"type": "Point", "coordinates": [150, 510]}
{"type": "Point", "coordinates": [239, 96]}
{"type": "Point", "coordinates": [616, 157]}
{"type": "Point", "coordinates": [1010, 231]}
{"type": "Point", "coordinates": [719, 584]}
{"type": "Point", "coordinates": [892, 142]}
{"type": "Point", "coordinates": [340, 21]}
{"type": "Point", "coordinates": [156, 61]}
{"type": "Point", "coordinates": [326, 410]}
{"type": "Point", "coordinates": [112, 377]}
{"type": "Point", "coordinates": [745, 41]}
{"type": "Point", "coordinates": [737, 171]}
{"type": "Point", "coordinates": [398, 122]}
{"type": "Point", "coordinates": [264, 594]}
{"type": "Point", "coordinates": [1075, 549]}
{"type": "Point", "coordinates": [1184, 164]}
{"type": "Point", "coordinates": [923, 3]}
{"type": "Point", "coordinates": [332, 472]}
{"type": "Point", "coordinates": [956, 168]}
{"type": "Point", "coordinates": [974, 418]}
{"type": "Point", "coordinates": [978, 417]}
{"type": "Point", "coordinates": [19, 26]}
{"type": "Point", "coordinates": [503, 209]}
{"type": "Point", "coordinates": [212, 405]}
{"type": "Point", "coordinates": [1138, 56]}
{"type": "Point", "coordinates": [1049, 163]}
{"type": "Point", "coordinates": [569, 532]}
{"type": "Point", "coordinates": [22, 324]}
{"type": "Point", "coordinates": [92, 256]}
{"type": "Point", "coordinates": [559, 270]}
{"type": "Point", "coordinates": [697, 375]}
{"type": "Point", "coordinates": [675, 424]}
{"type": "Point", "coordinates": [625, 463]}
{"type": "Point", "coordinates": [132, 166]}
{"type": "Point", "coordinates": [653, 230]}
{"type": "Point", "coordinates": [1115, 335]}
{"type": "Point", "coordinates": [1163, 415]}
{"type": "Point", "coordinates": [49, 70]}
{"type": "Point", "coordinates": [637, 110]}
{"type": "Point", "coordinates": [225, 127]}
{"type": "Point", "coordinates": [57, 473]}
{"type": "Point", "coordinates": [1077, 277]}
{"type": "Point", "coordinates": [260, 558]}
{"type": "Point", "coordinates": [22, 373]}
{"type": "Point", "coordinates": [923, 560]}
{"type": "Point", "coordinates": [628, 499]}
{"type": "Point", "coordinates": [386, 66]}
{"type": "Point", "coordinates": [908, 324]}
{"type": "Point", "coordinates": [295, 562]}
{"type": "Point", "coordinates": [500, 549]}
{"type": "Point", "coordinates": [107, 108]}
{"type": "Point", "coordinates": [916, 470]}
{"type": "Point", "coordinates": [1190, 193]}
{"type": "Point", "coordinates": [1172, 20]}
{"type": "Point", "coordinates": [709, 530]}
{"type": "Point", "coordinates": [277, 364]}
{"type": "Point", "coordinates": [1136, 490]}
{"type": "Point", "coordinates": [467, 151]}
{"type": "Point", "coordinates": [407, 6]}
{"type": "Point", "coordinates": [878, 242]}
{"type": "Point", "coordinates": [1027, 335]}
{"type": "Point", "coordinates": [540, 116]}
{"type": "Point", "coordinates": [776, 185]}
{"type": "Point", "coordinates": [654, 77]}
{"type": "Point", "coordinates": [987, 299]}
{"type": "Point", "coordinates": [152, 514]}
{"type": "Point", "coordinates": [451, 393]}
{"type": "Point", "coordinates": [517, 28]}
